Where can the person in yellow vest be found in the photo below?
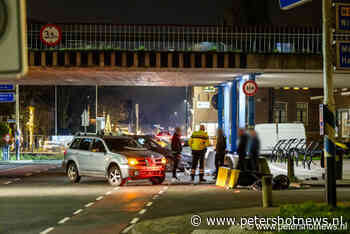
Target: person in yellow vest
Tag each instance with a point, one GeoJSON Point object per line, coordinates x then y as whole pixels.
{"type": "Point", "coordinates": [198, 142]}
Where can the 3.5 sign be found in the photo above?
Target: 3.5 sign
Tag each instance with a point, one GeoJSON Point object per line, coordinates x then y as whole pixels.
{"type": "Point", "coordinates": [50, 34]}
{"type": "Point", "coordinates": [250, 88]}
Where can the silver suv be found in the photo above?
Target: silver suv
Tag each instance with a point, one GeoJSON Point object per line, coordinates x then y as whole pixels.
{"type": "Point", "coordinates": [116, 158]}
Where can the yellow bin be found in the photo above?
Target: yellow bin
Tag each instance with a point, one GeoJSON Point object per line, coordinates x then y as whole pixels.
{"type": "Point", "coordinates": [234, 174]}
{"type": "Point", "coordinates": [222, 177]}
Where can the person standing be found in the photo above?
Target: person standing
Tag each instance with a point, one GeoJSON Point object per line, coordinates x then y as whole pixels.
{"type": "Point", "coordinates": [242, 149]}
{"type": "Point", "coordinates": [220, 150]}
{"type": "Point", "coordinates": [18, 143]}
{"type": "Point", "coordinates": [253, 149]}
{"type": "Point", "coordinates": [198, 142]}
{"type": "Point", "coordinates": [176, 148]}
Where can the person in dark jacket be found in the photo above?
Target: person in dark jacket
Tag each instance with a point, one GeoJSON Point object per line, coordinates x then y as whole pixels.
{"type": "Point", "coordinates": [253, 149]}
{"type": "Point", "coordinates": [220, 150]}
{"type": "Point", "coordinates": [176, 147]}
{"type": "Point", "coordinates": [242, 149]}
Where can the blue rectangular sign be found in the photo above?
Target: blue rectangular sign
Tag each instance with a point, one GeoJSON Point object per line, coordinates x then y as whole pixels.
{"type": "Point", "coordinates": [7, 87]}
{"type": "Point", "coordinates": [343, 55]}
{"type": "Point", "coordinates": [7, 97]}
{"type": "Point", "coordinates": [343, 17]}
{"type": "Point", "coordinates": [289, 4]}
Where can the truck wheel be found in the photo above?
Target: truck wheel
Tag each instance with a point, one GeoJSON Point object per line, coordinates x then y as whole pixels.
{"type": "Point", "coordinates": [157, 180]}
{"type": "Point", "coordinates": [115, 176]}
{"type": "Point", "coordinates": [73, 173]}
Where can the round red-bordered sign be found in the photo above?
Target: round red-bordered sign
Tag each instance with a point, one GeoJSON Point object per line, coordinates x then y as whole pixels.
{"type": "Point", "coordinates": [250, 88]}
{"type": "Point", "coordinates": [50, 34]}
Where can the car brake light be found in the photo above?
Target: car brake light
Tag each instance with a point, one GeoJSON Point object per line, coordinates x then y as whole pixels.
{"type": "Point", "coordinates": [132, 161]}
{"type": "Point", "coordinates": [164, 161]}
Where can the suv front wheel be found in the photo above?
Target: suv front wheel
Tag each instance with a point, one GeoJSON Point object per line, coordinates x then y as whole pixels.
{"type": "Point", "coordinates": [72, 173]}
{"type": "Point", "coordinates": [115, 176]}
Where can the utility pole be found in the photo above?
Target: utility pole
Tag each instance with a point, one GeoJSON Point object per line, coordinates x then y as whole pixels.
{"type": "Point", "coordinates": [55, 110]}
{"type": "Point", "coordinates": [137, 118]}
{"type": "Point", "coordinates": [329, 103]}
{"type": "Point", "coordinates": [186, 112]}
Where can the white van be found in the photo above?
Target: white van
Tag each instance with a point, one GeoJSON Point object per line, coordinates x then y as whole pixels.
{"type": "Point", "coordinates": [270, 134]}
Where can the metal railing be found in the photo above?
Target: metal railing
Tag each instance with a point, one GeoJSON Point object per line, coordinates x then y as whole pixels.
{"type": "Point", "coordinates": [307, 40]}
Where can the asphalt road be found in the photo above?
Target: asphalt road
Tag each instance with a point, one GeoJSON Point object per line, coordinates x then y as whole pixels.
{"type": "Point", "coordinates": [45, 202]}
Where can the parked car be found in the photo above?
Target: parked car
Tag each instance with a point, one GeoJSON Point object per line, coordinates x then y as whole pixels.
{"type": "Point", "coordinates": [116, 158]}
{"type": "Point", "coordinates": [164, 148]}
{"type": "Point", "coordinates": [52, 146]}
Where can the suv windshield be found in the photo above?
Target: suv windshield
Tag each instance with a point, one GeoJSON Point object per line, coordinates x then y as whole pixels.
{"type": "Point", "coordinates": [120, 144]}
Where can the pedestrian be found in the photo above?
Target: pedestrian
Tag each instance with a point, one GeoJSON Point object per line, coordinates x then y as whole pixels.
{"type": "Point", "coordinates": [18, 143]}
{"type": "Point", "coordinates": [242, 149]}
{"type": "Point", "coordinates": [253, 149]}
{"type": "Point", "coordinates": [198, 142]}
{"type": "Point", "coordinates": [220, 150]}
{"type": "Point", "coordinates": [176, 148]}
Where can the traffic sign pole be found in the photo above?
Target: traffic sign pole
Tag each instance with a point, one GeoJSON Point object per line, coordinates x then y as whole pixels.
{"type": "Point", "coordinates": [329, 108]}
{"type": "Point", "coordinates": [251, 107]}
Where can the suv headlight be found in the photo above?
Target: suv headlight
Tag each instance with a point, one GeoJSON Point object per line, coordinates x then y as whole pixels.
{"type": "Point", "coordinates": [132, 161]}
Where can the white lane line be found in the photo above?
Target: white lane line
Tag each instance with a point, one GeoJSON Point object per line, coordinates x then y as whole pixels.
{"type": "Point", "coordinates": [127, 229]}
{"type": "Point", "coordinates": [149, 204]}
{"type": "Point", "coordinates": [142, 211]}
{"type": "Point", "coordinates": [160, 192]}
{"type": "Point", "coordinates": [166, 187]}
{"type": "Point", "coordinates": [8, 182]}
{"type": "Point", "coordinates": [116, 188]}
{"type": "Point", "coordinates": [47, 230]}
{"type": "Point", "coordinates": [17, 179]}
{"type": "Point", "coordinates": [99, 198]}
{"type": "Point", "coordinates": [107, 193]}
{"type": "Point", "coordinates": [28, 174]}
{"type": "Point", "coordinates": [134, 220]}
{"type": "Point", "coordinates": [63, 220]}
{"type": "Point", "coordinates": [78, 211]}
{"type": "Point", "coordinates": [155, 196]}
{"type": "Point", "coordinates": [89, 204]}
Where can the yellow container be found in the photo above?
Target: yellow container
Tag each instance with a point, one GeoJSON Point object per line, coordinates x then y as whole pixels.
{"type": "Point", "coordinates": [223, 175]}
{"type": "Point", "coordinates": [234, 174]}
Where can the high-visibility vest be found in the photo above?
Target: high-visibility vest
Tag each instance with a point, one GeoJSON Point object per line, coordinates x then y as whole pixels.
{"type": "Point", "coordinates": [199, 140]}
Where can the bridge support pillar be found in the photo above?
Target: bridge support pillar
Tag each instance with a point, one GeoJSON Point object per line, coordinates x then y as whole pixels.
{"type": "Point", "coordinates": [237, 60]}
{"type": "Point", "coordinates": [193, 60]}
{"type": "Point", "coordinates": [31, 58]}
{"type": "Point", "coordinates": [170, 60]}
{"type": "Point", "coordinates": [113, 58]}
{"type": "Point", "coordinates": [90, 59]}
{"type": "Point", "coordinates": [136, 60]}
{"type": "Point", "coordinates": [215, 60]}
{"type": "Point", "coordinates": [124, 59]}
{"type": "Point", "coordinates": [43, 59]}
{"type": "Point", "coordinates": [203, 61]}
{"type": "Point", "coordinates": [78, 59]}
{"type": "Point", "coordinates": [181, 60]}
{"type": "Point", "coordinates": [54, 59]}
{"type": "Point", "coordinates": [102, 59]}
{"type": "Point", "coordinates": [226, 61]}
{"type": "Point", "coordinates": [66, 59]}
{"type": "Point", "coordinates": [158, 60]}
{"type": "Point", "coordinates": [147, 60]}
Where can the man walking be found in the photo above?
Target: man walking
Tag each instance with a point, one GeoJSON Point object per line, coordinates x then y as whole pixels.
{"type": "Point", "coordinates": [176, 148]}
{"type": "Point", "coordinates": [253, 149]}
{"type": "Point", "coordinates": [242, 149]}
{"type": "Point", "coordinates": [198, 142]}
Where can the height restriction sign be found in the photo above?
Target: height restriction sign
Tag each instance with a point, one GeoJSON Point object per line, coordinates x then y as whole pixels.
{"type": "Point", "coordinates": [250, 88]}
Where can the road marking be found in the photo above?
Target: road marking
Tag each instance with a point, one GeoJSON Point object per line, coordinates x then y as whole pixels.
{"type": "Point", "coordinates": [160, 192]}
{"type": "Point", "coordinates": [155, 196]}
{"type": "Point", "coordinates": [63, 220]}
{"type": "Point", "coordinates": [116, 188]}
{"type": "Point", "coordinates": [166, 187]}
{"type": "Point", "coordinates": [28, 174]}
{"type": "Point", "coordinates": [127, 229]}
{"type": "Point", "coordinates": [107, 193]}
{"type": "Point", "coordinates": [8, 182]}
{"type": "Point", "coordinates": [78, 211]}
{"type": "Point", "coordinates": [99, 198]}
{"type": "Point", "coordinates": [134, 220]}
{"type": "Point", "coordinates": [47, 230]}
{"type": "Point", "coordinates": [142, 211]}
{"type": "Point", "coordinates": [17, 179]}
{"type": "Point", "coordinates": [89, 204]}
{"type": "Point", "coordinates": [149, 203]}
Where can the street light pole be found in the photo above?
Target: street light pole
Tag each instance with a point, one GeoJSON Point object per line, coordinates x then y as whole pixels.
{"type": "Point", "coordinates": [329, 102]}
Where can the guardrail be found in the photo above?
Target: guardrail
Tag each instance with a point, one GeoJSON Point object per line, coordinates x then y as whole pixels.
{"type": "Point", "coordinates": [306, 40]}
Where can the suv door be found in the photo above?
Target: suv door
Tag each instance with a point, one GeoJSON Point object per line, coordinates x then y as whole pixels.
{"type": "Point", "coordinates": [84, 154]}
{"type": "Point", "coordinates": [98, 156]}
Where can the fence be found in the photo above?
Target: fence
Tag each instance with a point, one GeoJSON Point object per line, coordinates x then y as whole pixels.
{"type": "Point", "coordinates": [306, 40]}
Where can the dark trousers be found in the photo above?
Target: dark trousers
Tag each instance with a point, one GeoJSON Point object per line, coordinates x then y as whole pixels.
{"type": "Point", "coordinates": [176, 160]}
{"type": "Point", "coordinates": [198, 156]}
{"type": "Point", "coordinates": [241, 165]}
{"type": "Point", "coordinates": [219, 161]}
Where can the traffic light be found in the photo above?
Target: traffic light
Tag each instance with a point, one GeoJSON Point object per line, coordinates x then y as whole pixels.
{"type": "Point", "coordinates": [13, 45]}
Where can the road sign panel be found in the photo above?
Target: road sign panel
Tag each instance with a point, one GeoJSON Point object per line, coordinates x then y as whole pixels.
{"type": "Point", "coordinates": [13, 45]}
{"type": "Point", "coordinates": [7, 97]}
{"type": "Point", "coordinates": [250, 88]}
{"type": "Point", "coordinates": [11, 121]}
{"type": "Point", "coordinates": [50, 34]}
{"type": "Point", "coordinates": [289, 4]}
{"type": "Point", "coordinates": [7, 87]}
{"type": "Point", "coordinates": [343, 55]}
{"type": "Point", "coordinates": [343, 17]}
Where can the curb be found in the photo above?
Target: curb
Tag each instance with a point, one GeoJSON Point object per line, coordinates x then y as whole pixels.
{"type": "Point", "coordinates": [323, 185]}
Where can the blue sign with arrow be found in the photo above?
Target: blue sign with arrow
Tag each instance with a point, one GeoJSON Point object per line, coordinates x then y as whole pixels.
{"type": "Point", "coordinates": [289, 4]}
{"type": "Point", "coordinates": [7, 97]}
{"type": "Point", "coordinates": [7, 87]}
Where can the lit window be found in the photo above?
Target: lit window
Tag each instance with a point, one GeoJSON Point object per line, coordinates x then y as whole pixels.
{"type": "Point", "coordinates": [302, 115]}
{"type": "Point", "coordinates": [280, 112]}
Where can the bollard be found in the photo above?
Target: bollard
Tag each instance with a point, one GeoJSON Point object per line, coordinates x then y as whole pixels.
{"type": "Point", "coordinates": [267, 191]}
{"type": "Point", "coordinates": [290, 166]}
